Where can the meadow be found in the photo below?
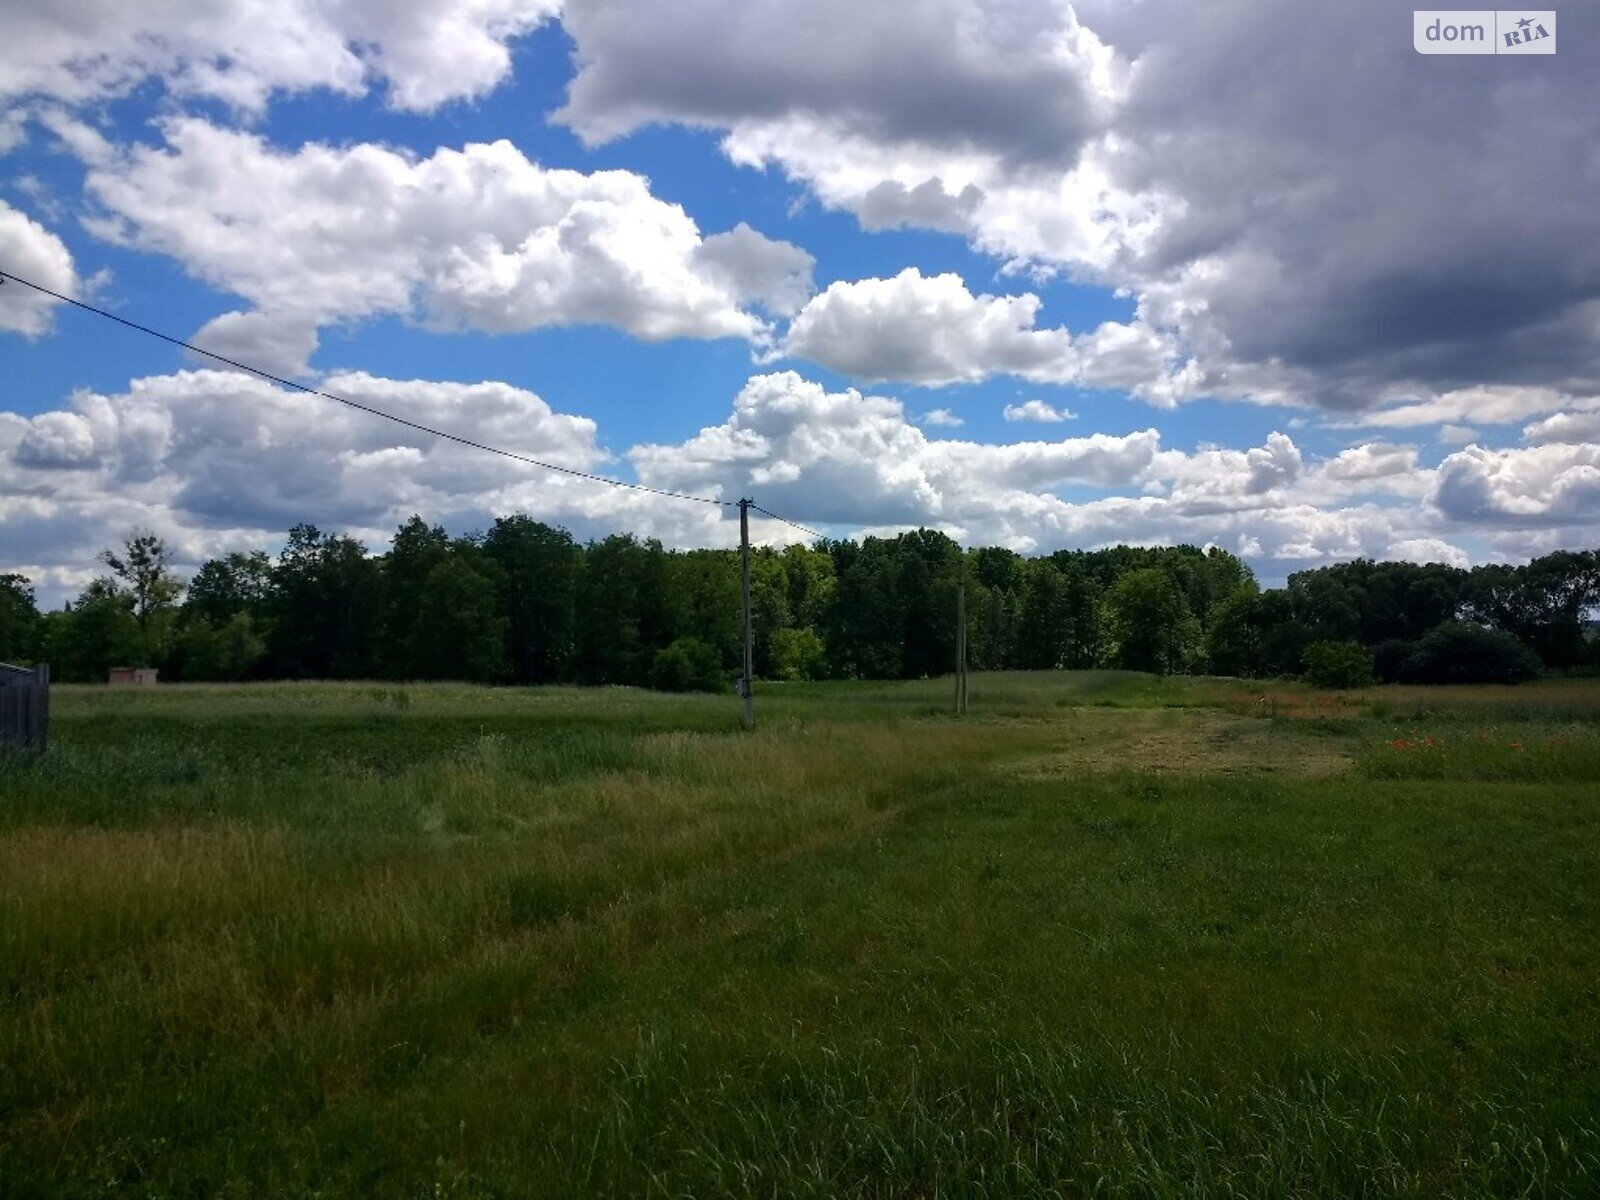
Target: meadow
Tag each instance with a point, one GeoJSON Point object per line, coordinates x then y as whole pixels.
{"type": "Point", "coordinates": [1109, 935]}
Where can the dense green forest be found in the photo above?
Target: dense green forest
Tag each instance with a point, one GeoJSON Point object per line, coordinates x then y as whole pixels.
{"type": "Point", "coordinates": [527, 603]}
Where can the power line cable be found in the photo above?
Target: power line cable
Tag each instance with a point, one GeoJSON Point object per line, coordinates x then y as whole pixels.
{"type": "Point", "coordinates": [787, 521]}
{"type": "Point", "coordinates": [7, 276]}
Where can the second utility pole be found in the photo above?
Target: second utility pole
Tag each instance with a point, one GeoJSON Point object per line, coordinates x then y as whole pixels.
{"type": "Point", "coordinates": [746, 688]}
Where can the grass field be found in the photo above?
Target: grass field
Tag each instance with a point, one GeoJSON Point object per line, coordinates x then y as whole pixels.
{"type": "Point", "coordinates": [1107, 936]}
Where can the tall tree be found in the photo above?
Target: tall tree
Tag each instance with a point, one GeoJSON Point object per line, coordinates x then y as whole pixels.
{"type": "Point", "coordinates": [769, 608]}
{"type": "Point", "coordinates": [406, 639]}
{"type": "Point", "coordinates": [96, 632]}
{"type": "Point", "coordinates": [1284, 636]}
{"type": "Point", "coordinates": [1233, 639]}
{"type": "Point", "coordinates": [702, 601]}
{"type": "Point", "coordinates": [1150, 622]}
{"type": "Point", "coordinates": [143, 567]}
{"type": "Point", "coordinates": [1085, 644]}
{"type": "Point", "coordinates": [612, 627]}
{"type": "Point", "coordinates": [811, 583]}
{"type": "Point", "coordinates": [224, 587]}
{"type": "Point", "coordinates": [1042, 630]}
{"type": "Point", "coordinates": [929, 567]}
{"type": "Point", "coordinates": [541, 572]}
{"type": "Point", "coordinates": [204, 650]}
{"type": "Point", "coordinates": [326, 603]}
{"type": "Point", "coordinates": [994, 606]}
{"type": "Point", "coordinates": [19, 620]}
{"type": "Point", "coordinates": [459, 608]}
{"type": "Point", "coordinates": [1544, 603]}
{"type": "Point", "coordinates": [220, 632]}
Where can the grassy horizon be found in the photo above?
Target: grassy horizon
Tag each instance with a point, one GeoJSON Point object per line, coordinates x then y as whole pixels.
{"type": "Point", "coordinates": [1110, 934]}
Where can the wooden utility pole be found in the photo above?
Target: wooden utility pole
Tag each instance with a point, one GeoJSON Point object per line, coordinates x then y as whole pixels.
{"type": "Point", "coordinates": [961, 648]}
{"type": "Point", "coordinates": [746, 683]}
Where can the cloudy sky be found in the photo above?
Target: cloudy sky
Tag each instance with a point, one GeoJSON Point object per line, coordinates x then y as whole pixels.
{"type": "Point", "coordinates": [1241, 273]}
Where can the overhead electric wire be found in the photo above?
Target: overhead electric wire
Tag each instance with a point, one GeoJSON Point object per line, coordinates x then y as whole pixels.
{"type": "Point", "coordinates": [7, 276]}
{"type": "Point", "coordinates": [786, 521]}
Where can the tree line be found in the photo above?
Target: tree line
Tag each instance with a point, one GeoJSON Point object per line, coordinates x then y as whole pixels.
{"type": "Point", "coordinates": [527, 603]}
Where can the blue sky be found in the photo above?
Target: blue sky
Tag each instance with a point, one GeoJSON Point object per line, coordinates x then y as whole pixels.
{"type": "Point", "coordinates": [1228, 267]}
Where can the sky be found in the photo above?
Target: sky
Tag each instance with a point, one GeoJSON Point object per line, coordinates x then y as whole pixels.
{"type": "Point", "coordinates": [1037, 274]}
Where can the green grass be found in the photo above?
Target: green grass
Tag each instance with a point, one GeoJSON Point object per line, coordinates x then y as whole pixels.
{"type": "Point", "coordinates": [1109, 935]}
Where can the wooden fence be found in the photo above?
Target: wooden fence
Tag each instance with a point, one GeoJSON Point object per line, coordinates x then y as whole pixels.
{"type": "Point", "coordinates": [24, 706]}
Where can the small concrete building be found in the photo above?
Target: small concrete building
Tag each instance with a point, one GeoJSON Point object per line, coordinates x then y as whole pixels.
{"type": "Point", "coordinates": [132, 677]}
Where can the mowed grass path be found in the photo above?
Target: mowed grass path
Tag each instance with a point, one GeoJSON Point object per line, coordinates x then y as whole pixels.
{"type": "Point", "coordinates": [1107, 936]}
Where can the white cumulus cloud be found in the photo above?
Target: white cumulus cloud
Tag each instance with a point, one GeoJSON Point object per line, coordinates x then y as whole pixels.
{"type": "Point", "coordinates": [932, 330]}
{"type": "Point", "coordinates": [1372, 460]}
{"type": "Point", "coordinates": [30, 250]}
{"type": "Point", "coordinates": [1552, 484]}
{"type": "Point", "coordinates": [480, 237]}
{"type": "Point", "coordinates": [929, 330]}
{"type": "Point", "coordinates": [1037, 410]}
{"type": "Point", "coordinates": [1565, 427]}
{"type": "Point", "coordinates": [425, 52]}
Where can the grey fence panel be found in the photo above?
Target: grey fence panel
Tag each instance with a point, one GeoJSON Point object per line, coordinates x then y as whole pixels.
{"type": "Point", "coordinates": [25, 706]}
